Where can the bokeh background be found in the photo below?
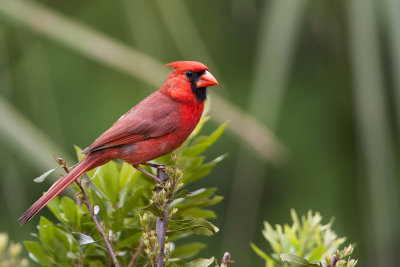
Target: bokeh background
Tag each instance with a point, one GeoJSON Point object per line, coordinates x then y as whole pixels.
{"type": "Point", "coordinates": [312, 89]}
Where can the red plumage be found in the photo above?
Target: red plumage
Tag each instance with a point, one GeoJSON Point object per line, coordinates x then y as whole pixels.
{"type": "Point", "coordinates": [156, 126]}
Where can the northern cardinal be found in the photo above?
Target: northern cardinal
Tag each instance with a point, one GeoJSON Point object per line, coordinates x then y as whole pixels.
{"type": "Point", "coordinates": [156, 126]}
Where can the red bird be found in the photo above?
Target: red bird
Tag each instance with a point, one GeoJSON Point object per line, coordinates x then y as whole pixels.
{"type": "Point", "coordinates": [156, 126]}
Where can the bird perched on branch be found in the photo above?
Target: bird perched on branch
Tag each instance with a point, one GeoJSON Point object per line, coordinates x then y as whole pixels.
{"type": "Point", "coordinates": [156, 126]}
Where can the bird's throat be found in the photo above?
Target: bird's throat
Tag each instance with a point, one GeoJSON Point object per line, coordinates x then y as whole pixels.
{"type": "Point", "coordinates": [199, 93]}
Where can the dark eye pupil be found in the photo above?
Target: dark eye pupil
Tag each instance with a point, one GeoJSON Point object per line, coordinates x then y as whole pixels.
{"type": "Point", "coordinates": [188, 73]}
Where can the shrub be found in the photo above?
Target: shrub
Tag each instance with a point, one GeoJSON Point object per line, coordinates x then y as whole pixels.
{"type": "Point", "coordinates": [306, 243]}
{"type": "Point", "coordinates": [127, 204]}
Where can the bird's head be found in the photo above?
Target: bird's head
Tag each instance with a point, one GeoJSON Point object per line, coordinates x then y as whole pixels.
{"type": "Point", "coordinates": [188, 81]}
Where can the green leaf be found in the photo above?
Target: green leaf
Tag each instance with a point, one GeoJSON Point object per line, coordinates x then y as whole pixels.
{"type": "Point", "coordinates": [198, 213]}
{"type": "Point", "coordinates": [72, 255]}
{"type": "Point", "coordinates": [37, 252]}
{"type": "Point", "coordinates": [296, 261]}
{"type": "Point", "coordinates": [117, 220]}
{"type": "Point", "coordinates": [201, 143]}
{"type": "Point", "coordinates": [153, 209]}
{"type": "Point", "coordinates": [130, 241]}
{"type": "Point", "coordinates": [188, 164]}
{"type": "Point", "coordinates": [291, 237]}
{"type": "Point", "coordinates": [198, 198]}
{"type": "Point", "coordinates": [83, 239]}
{"type": "Point", "coordinates": [125, 174]}
{"type": "Point", "coordinates": [181, 194]}
{"type": "Point", "coordinates": [91, 230]}
{"type": "Point", "coordinates": [198, 226]}
{"type": "Point", "coordinates": [46, 233]}
{"type": "Point", "coordinates": [54, 207]}
{"type": "Point", "coordinates": [200, 263]}
{"type": "Point", "coordinates": [198, 128]}
{"type": "Point", "coordinates": [70, 210]}
{"type": "Point", "coordinates": [78, 151]}
{"type": "Point", "coordinates": [54, 241]}
{"type": "Point", "coordinates": [202, 171]}
{"type": "Point", "coordinates": [317, 253]}
{"type": "Point", "coordinates": [259, 252]}
{"type": "Point", "coordinates": [62, 245]}
{"type": "Point", "coordinates": [133, 201]}
{"type": "Point", "coordinates": [198, 195]}
{"type": "Point", "coordinates": [127, 188]}
{"type": "Point", "coordinates": [108, 181]}
{"type": "Point", "coordinates": [172, 263]}
{"type": "Point", "coordinates": [43, 177]}
{"type": "Point", "coordinates": [188, 250]}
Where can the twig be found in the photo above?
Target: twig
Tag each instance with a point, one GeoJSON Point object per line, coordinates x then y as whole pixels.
{"type": "Point", "coordinates": [333, 260]}
{"type": "Point", "coordinates": [162, 222]}
{"type": "Point", "coordinates": [63, 164]}
{"type": "Point", "coordinates": [226, 259]}
{"type": "Point", "coordinates": [139, 250]}
{"type": "Point", "coordinates": [97, 224]}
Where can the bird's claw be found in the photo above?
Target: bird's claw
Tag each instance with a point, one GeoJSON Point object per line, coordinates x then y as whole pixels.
{"type": "Point", "coordinates": [154, 165]}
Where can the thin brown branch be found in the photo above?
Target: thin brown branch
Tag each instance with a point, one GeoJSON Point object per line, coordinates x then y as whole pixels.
{"type": "Point", "coordinates": [89, 205]}
{"type": "Point", "coordinates": [97, 224]}
{"type": "Point", "coordinates": [139, 250]}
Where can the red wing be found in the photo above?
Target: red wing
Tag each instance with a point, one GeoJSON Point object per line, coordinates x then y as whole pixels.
{"type": "Point", "coordinates": [155, 116]}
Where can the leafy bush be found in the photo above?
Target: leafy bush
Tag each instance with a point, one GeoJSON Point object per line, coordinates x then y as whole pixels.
{"type": "Point", "coordinates": [305, 243]}
{"type": "Point", "coordinates": [127, 205]}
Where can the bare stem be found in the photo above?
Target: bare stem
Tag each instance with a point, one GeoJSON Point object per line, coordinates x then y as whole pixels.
{"type": "Point", "coordinates": [162, 222]}
{"type": "Point", "coordinates": [226, 259]}
{"type": "Point", "coordinates": [333, 260]}
{"type": "Point", "coordinates": [139, 250]}
{"type": "Point", "coordinates": [97, 224]}
{"type": "Point", "coordinates": [89, 205]}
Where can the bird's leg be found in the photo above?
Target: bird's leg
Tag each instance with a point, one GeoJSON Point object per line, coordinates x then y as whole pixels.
{"type": "Point", "coordinates": [155, 178]}
{"type": "Point", "coordinates": [154, 165]}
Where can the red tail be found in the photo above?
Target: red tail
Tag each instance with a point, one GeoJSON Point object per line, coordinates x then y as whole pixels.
{"type": "Point", "coordinates": [83, 166]}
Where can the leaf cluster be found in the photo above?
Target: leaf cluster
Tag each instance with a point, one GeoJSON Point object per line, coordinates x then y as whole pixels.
{"type": "Point", "coordinates": [126, 205]}
{"type": "Point", "coordinates": [307, 242]}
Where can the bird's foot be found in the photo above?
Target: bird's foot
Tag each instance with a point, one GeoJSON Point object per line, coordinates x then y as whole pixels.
{"type": "Point", "coordinates": [154, 165]}
{"type": "Point", "coordinates": [155, 178]}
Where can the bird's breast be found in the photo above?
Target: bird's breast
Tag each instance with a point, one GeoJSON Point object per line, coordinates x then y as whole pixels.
{"type": "Point", "coordinates": [153, 148]}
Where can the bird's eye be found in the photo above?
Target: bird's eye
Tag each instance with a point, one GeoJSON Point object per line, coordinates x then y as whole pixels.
{"type": "Point", "coordinates": [189, 73]}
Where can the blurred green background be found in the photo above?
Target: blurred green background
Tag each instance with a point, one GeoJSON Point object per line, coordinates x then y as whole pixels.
{"type": "Point", "coordinates": [312, 89]}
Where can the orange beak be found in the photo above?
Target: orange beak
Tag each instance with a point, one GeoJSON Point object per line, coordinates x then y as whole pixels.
{"type": "Point", "coordinates": [206, 80]}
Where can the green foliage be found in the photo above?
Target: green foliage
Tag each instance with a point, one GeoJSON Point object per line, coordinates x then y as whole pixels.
{"type": "Point", "coordinates": [126, 204]}
{"type": "Point", "coordinates": [306, 243]}
{"type": "Point", "coordinates": [340, 258]}
{"type": "Point", "coordinates": [10, 253]}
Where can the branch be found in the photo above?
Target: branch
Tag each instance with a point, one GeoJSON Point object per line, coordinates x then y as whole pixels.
{"type": "Point", "coordinates": [137, 253]}
{"type": "Point", "coordinates": [226, 259]}
{"type": "Point", "coordinates": [89, 205]}
{"type": "Point", "coordinates": [162, 222]}
{"type": "Point", "coordinates": [333, 260]}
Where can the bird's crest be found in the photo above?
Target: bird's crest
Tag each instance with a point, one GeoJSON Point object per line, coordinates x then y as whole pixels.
{"type": "Point", "coordinates": [181, 66]}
